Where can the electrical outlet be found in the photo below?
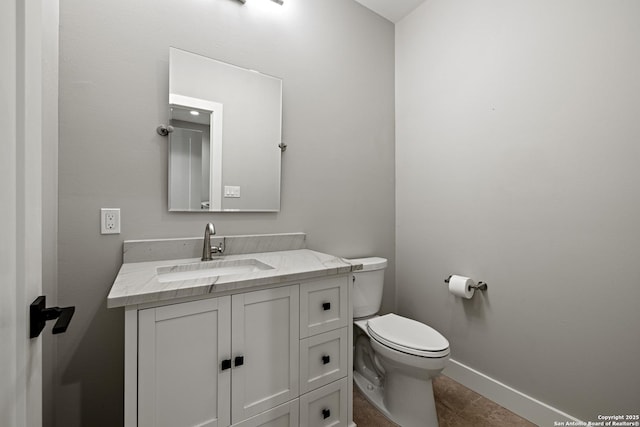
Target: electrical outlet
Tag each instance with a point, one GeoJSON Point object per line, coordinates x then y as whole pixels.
{"type": "Point", "coordinates": [110, 221]}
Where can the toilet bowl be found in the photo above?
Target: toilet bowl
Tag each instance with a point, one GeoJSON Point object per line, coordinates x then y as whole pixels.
{"type": "Point", "coordinates": [395, 358]}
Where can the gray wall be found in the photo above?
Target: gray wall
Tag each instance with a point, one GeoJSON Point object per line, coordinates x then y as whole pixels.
{"type": "Point", "coordinates": [517, 153]}
{"type": "Point", "coordinates": [336, 60]}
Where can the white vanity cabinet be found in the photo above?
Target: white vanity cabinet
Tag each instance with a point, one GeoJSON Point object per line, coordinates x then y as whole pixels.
{"type": "Point", "coordinates": [218, 361]}
{"type": "Point", "coordinates": [275, 357]}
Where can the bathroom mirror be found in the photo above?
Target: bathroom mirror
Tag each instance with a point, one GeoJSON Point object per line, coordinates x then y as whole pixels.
{"type": "Point", "coordinates": [224, 151]}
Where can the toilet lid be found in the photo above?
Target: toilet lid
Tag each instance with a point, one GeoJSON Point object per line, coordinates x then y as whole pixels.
{"type": "Point", "coordinates": [408, 336]}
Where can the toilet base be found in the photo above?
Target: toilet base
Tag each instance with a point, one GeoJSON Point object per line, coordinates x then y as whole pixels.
{"type": "Point", "coordinates": [375, 395]}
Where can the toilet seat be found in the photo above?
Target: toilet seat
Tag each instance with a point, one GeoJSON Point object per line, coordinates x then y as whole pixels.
{"type": "Point", "coordinates": [408, 336]}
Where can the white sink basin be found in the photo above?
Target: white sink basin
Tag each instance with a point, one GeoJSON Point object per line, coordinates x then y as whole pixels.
{"type": "Point", "coordinates": [209, 269]}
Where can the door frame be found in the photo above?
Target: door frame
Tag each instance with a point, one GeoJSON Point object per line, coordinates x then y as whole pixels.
{"type": "Point", "coordinates": [21, 116]}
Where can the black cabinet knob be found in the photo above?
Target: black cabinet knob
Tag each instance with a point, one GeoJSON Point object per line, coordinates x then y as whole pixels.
{"type": "Point", "coordinates": [326, 413]}
{"type": "Point", "coordinates": [239, 361]}
{"type": "Point", "coordinates": [326, 359]}
{"type": "Point", "coordinates": [326, 306]}
{"type": "Point", "coordinates": [226, 364]}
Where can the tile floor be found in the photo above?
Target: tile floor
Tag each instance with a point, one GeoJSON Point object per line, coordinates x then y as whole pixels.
{"type": "Point", "coordinates": [456, 405]}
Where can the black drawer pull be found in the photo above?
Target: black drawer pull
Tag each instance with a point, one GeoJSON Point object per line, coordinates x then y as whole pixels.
{"type": "Point", "coordinates": [326, 359]}
{"type": "Point", "coordinates": [239, 361]}
{"type": "Point", "coordinates": [326, 306]}
{"type": "Point", "coordinates": [326, 413]}
{"type": "Point", "coordinates": [226, 364]}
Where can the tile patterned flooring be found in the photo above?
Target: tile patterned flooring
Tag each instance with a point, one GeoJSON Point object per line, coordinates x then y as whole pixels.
{"type": "Point", "coordinates": [456, 405]}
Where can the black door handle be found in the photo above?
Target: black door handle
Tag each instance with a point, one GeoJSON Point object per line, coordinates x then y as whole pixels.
{"type": "Point", "coordinates": [239, 361]}
{"type": "Point", "coordinates": [39, 314]}
{"type": "Point", "coordinates": [326, 413]}
{"type": "Point", "coordinates": [326, 359]}
{"type": "Point", "coordinates": [226, 364]}
{"type": "Point", "coordinates": [326, 306]}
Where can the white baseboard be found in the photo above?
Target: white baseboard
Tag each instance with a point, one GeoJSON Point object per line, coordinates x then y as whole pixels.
{"type": "Point", "coordinates": [517, 402]}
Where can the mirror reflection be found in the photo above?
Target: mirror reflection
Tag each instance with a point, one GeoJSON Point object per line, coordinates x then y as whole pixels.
{"type": "Point", "coordinates": [224, 152]}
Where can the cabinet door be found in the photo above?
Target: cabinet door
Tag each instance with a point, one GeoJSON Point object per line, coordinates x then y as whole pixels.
{"type": "Point", "coordinates": [265, 350]}
{"type": "Point", "coordinates": [180, 378]}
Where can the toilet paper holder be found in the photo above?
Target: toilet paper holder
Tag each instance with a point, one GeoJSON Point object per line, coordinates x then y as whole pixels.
{"type": "Point", "coordinates": [481, 286]}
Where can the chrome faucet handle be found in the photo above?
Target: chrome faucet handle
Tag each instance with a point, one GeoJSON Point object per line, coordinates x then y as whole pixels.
{"type": "Point", "coordinates": [218, 249]}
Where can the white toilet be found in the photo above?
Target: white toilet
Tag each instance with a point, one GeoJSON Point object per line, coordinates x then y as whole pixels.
{"type": "Point", "coordinates": [395, 358]}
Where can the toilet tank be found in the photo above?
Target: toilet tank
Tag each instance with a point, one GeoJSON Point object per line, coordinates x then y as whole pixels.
{"type": "Point", "coordinates": [367, 286]}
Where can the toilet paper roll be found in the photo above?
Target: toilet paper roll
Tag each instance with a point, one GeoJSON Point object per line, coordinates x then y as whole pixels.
{"type": "Point", "coordinates": [461, 286]}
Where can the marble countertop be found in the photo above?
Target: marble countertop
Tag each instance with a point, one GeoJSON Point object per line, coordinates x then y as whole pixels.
{"type": "Point", "coordinates": [138, 282]}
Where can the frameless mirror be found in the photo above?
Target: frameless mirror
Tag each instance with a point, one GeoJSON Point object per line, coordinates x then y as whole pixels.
{"type": "Point", "coordinates": [224, 151]}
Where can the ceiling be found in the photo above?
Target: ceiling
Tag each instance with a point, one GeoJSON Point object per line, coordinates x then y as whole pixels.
{"type": "Point", "coordinates": [393, 10]}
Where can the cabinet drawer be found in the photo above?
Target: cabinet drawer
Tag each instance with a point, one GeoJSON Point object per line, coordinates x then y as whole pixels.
{"type": "Point", "coordinates": [323, 305]}
{"type": "Point", "coordinates": [323, 359]}
{"type": "Point", "coordinates": [286, 415]}
{"type": "Point", "coordinates": [326, 406]}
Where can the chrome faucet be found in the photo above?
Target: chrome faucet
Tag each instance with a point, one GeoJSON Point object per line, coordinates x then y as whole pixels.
{"type": "Point", "coordinates": [208, 249]}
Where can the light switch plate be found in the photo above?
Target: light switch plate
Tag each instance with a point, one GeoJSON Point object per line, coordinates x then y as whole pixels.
{"type": "Point", "coordinates": [232, 191]}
